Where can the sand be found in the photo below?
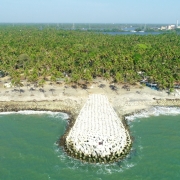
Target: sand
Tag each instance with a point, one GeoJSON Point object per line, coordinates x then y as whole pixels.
{"type": "Point", "coordinates": [139, 97]}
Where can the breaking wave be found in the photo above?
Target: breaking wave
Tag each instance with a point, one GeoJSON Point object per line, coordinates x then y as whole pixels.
{"type": "Point", "coordinates": [99, 169]}
{"type": "Point", "coordinates": [154, 111]}
{"type": "Point", "coordinates": [29, 112]}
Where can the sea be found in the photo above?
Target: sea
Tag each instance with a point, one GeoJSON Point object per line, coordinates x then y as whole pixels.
{"type": "Point", "coordinates": [29, 150]}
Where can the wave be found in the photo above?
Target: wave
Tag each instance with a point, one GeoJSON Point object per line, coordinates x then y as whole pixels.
{"type": "Point", "coordinates": [29, 112]}
{"type": "Point", "coordinates": [99, 169]}
{"type": "Point", "coordinates": [154, 111]}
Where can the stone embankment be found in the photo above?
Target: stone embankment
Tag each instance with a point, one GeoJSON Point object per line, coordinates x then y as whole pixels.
{"type": "Point", "coordinates": [98, 134]}
{"type": "Point", "coordinates": [167, 102]}
{"type": "Point", "coordinates": [69, 106]}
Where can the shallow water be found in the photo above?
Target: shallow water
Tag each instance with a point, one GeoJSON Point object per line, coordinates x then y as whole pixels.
{"type": "Point", "coordinates": [28, 150]}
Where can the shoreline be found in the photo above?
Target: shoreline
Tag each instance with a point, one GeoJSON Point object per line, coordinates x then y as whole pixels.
{"type": "Point", "coordinates": [73, 107]}
{"type": "Point", "coordinates": [73, 110]}
{"type": "Point", "coordinates": [124, 103]}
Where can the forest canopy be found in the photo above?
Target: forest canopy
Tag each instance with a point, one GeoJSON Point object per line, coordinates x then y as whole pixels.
{"type": "Point", "coordinates": [34, 54]}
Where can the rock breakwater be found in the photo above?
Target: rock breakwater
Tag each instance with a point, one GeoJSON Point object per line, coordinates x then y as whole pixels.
{"type": "Point", "coordinates": [98, 135]}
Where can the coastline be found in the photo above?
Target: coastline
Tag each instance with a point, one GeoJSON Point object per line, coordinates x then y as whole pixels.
{"type": "Point", "coordinates": [62, 97]}
{"type": "Point", "coordinates": [72, 107]}
{"type": "Point", "coordinates": [124, 103]}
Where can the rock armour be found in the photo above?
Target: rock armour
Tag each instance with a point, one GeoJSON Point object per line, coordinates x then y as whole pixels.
{"type": "Point", "coordinates": [98, 134]}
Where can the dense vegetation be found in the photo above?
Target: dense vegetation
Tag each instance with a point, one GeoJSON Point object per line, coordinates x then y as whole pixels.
{"type": "Point", "coordinates": [37, 54]}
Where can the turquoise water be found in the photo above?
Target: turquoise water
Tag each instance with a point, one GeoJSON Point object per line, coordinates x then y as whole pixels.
{"type": "Point", "coordinates": [28, 150]}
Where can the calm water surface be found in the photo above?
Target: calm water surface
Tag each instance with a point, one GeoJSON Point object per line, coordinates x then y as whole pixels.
{"type": "Point", "coordinates": [28, 150]}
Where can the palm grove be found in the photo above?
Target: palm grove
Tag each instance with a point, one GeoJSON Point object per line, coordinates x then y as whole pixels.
{"type": "Point", "coordinates": [37, 55]}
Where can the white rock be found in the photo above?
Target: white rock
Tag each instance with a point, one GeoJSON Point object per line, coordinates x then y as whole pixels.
{"type": "Point", "coordinates": [98, 128]}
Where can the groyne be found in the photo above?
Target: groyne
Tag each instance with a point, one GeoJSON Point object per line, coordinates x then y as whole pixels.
{"type": "Point", "coordinates": [98, 135]}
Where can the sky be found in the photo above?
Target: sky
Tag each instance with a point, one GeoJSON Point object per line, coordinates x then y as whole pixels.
{"type": "Point", "coordinates": [90, 11]}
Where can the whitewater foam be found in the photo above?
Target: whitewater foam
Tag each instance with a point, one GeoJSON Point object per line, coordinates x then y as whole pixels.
{"type": "Point", "coordinates": [29, 112]}
{"type": "Point", "coordinates": [100, 169]}
{"type": "Point", "coordinates": [154, 111]}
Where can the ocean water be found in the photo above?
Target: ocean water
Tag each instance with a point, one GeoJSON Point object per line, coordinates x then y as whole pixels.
{"type": "Point", "coordinates": [28, 149]}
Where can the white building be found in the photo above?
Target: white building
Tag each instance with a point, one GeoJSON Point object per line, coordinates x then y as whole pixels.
{"type": "Point", "coordinates": [170, 27]}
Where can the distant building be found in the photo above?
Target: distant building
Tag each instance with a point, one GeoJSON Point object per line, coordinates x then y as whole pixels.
{"type": "Point", "coordinates": [163, 28]}
{"type": "Point", "coordinates": [170, 27]}
{"type": "Point", "coordinates": [177, 24]}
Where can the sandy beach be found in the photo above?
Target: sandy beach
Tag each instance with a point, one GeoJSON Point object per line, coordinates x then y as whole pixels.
{"type": "Point", "coordinates": [137, 98]}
